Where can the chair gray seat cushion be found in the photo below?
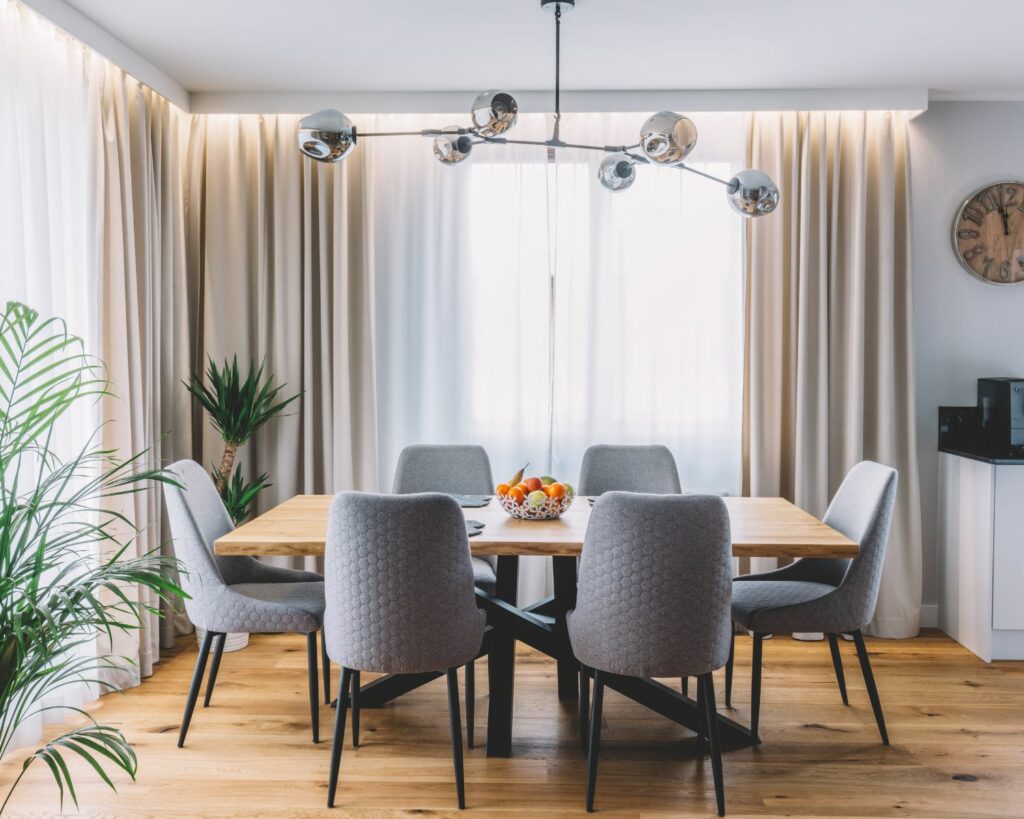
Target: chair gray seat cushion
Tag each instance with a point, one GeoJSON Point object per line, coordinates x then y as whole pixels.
{"type": "Point", "coordinates": [268, 608]}
{"type": "Point", "coordinates": [783, 606]}
{"type": "Point", "coordinates": [483, 574]}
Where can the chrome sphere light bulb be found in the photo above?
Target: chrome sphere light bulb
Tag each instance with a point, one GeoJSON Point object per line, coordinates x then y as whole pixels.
{"type": "Point", "coordinates": [617, 172]}
{"type": "Point", "coordinates": [668, 137]}
{"type": "Point", "coordinates": [494, 112]}
{"type": "Point", "coordinates": [452, 148]}
{"type": "Point", "coordinates": [327, 136]}
{"type": "Point", "coordinates": [752, 193]}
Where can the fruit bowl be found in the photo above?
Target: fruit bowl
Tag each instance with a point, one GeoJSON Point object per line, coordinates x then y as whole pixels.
{"type": "Point", "coordinates": [549, 509]}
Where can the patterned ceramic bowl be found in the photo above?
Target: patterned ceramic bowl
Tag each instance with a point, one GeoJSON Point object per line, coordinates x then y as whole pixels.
{"type": "Point", "coordinates": [549, 510]}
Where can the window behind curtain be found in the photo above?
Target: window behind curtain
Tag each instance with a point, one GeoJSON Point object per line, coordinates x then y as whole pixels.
{"type": "Point", "coordinates": [645, 311]}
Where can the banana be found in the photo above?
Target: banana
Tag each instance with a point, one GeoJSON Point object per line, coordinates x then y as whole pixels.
{"type": "Point", "coordinates": [518, 476]}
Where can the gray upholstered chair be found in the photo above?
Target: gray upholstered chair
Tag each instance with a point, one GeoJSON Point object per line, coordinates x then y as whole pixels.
{"type": "Point", "coordinates": [400, 599]}
{"type": "Point", "coordinates": [234, 594]}
{"type": "Point", "coordinates": [629, 468]}
{"type": "Point", "coordinates": [653, 601]}
{"type": "Point", "coordinates": [613, 468]}
{"type": "Point", "coordinates": [455, 469]}
{"type": "Point", "coordinates": [833, 596]}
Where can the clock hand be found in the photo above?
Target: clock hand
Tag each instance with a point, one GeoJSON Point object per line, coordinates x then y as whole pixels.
{"type": "Point", "coordinates": [1006, 221]}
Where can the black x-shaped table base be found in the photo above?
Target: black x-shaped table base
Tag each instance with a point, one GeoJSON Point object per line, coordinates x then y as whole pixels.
{"type": "Point", "coordinates": [542, 626]}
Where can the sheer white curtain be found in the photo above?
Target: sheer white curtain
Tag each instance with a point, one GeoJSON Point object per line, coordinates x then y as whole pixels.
{"type": "Point", "coordinates": [521, 306]}
{"type": "Point", "coordinates": [47, 243]}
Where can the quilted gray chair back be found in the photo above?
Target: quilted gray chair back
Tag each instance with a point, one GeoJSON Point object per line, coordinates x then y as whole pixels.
{"type": "Point", "coordinates": [862, 510]}
{"type": "Point", "coordinates": [455, 469]}
{"type": "Point", "coordinates": [198, 517]}
{"type": "Point", "coordinates": [610, 468]}
{"type": "Point", "coordinates": [399, 584]}
{"type": "Point", "coordinates": [655, 586]}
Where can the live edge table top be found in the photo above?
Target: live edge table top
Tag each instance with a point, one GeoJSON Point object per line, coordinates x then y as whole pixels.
{"type": "Point", "coordinates": [761, 527]}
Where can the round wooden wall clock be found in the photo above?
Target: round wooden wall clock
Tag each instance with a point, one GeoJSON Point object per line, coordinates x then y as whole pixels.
{"type": "Point", "coordinates": [988, 233]}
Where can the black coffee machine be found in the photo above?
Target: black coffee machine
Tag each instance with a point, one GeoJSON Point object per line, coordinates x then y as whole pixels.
{"type": "Point", "coordinates": [994, 428]}
{"type": "Point", "coordinates": [1001, 412]}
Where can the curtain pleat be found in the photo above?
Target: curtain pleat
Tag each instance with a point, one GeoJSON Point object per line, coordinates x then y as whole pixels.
{"type": "Point", "coordinates": [829, 377]}
{"type": "Point", "coordinates": [144, 321]}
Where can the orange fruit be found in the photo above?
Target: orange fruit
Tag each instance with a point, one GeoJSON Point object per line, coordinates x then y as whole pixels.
{"type": "Point", "coordinates": [532, 484]}
{"type": "Point", "coordinates": [522, 488]}
{"type": "Point", "coordinates": [516, 494]}
{"type": "Point", "coordinates": [555, 490]}
{"type": "Point", "coordinates": [502, 488]}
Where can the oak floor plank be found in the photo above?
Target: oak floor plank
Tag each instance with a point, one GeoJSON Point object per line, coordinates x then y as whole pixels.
{"type": "Point", "coordinates": [957, 727]}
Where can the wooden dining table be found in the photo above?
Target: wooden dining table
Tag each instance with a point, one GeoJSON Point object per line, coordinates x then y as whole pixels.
{"type": "Point", "coordinates": [761, 527]}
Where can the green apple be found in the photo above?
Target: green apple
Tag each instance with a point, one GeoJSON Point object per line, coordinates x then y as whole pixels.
{"type": "Point", "coordinates": [568, 489]}
{"type": "Point", "coordinates": [547, 480]}
{"type": "Point", "coordinates": [536, 499]}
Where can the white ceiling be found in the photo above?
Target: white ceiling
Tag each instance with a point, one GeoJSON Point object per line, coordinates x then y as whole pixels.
{"type": "Point", "coordinates": [961, 48]}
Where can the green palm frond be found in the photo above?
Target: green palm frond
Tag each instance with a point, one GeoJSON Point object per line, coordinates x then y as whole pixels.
{"type": "Point", "coordinates": [65, 576]}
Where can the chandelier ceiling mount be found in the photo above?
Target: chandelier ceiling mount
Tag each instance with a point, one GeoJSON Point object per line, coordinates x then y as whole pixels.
{"type": "Point", "coordinates": [665, 139]}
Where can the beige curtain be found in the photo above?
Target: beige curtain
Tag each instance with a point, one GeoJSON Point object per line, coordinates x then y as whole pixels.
{"type": "Point", "coordinates": [279, 248]}
{"type": "Point", "coordinates": [829, 376]}
{"type": "Point", "coordinates": [144, 317]}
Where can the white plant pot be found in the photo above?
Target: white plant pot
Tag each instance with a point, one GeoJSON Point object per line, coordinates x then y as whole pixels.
{"type": "Point", "coordinates": [233, 642]}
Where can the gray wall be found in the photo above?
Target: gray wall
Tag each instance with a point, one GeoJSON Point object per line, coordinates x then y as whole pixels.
{"type": "Point", "coordinates": [964, 328]}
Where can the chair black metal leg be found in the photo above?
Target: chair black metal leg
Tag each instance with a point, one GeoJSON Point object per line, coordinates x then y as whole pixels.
{"type": "Point", "coordinates": [869, 681]}
{"type": "Point", "coordinates": [684, 686]}
{"type": "Point", "coordinates": [327, 667]}
{"type": "Point", "coordinates": [584, 704]}
{"type": "Point", "coordinates": [707, 693]}
{"type": "Point", "coordinates": [755, 687]}
{"type": "Point", "coordinates": [728, 669]}
{"type": "Point", "coordinates": [594, 746]}
{"type": "Point", "coordinates": [470, 700]}
{"type": "Point", "coordinates": [197, 681]}
{"type": "Point", "coordinates": [218, 650]}
{"type": "Point", "coordinates": [702, 724]}
{"type": "Point", "coordinates": [314, 689]}
{"type": "Point", "coordinates": [837, 663]}
{"type": "Point", "coordinates": [339, 735]}
{"type": "Point", "coordinates": [454, 716]}
{"type": "Point", "coordinates": [354, 699]}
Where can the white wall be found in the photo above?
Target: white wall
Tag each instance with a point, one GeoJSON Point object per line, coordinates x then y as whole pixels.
{"type": "Point", "coordinates": [964, 328]}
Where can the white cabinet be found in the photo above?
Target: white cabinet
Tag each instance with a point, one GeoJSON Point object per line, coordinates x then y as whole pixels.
{"type": "Point", "coordinates": [981, 555]}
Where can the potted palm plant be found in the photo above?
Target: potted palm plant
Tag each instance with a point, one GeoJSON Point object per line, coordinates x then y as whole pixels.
{"type": "Point", "coordinates": [65, 570]}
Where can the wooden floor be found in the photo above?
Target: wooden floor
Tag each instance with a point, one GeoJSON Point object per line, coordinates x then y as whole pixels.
{"type": "Point", "coordinates": [957, 727]}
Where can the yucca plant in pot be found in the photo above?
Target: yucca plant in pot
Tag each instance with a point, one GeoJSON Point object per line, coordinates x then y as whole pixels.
{"type": "Point", "coordinates": [238, 407]}
{"type": "Point", "coordinates": [65, 569]}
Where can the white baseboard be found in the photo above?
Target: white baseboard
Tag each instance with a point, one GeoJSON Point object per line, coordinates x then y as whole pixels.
{"type": "Point", "coordinates": [929, 615]}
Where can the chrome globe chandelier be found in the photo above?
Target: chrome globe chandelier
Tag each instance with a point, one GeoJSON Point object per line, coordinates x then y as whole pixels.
{"type": "Point", "coordinates": [666, 139]}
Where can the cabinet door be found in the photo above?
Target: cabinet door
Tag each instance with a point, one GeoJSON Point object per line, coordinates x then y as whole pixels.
{"type": "Point", "coordinates": [1008, 552]}
{"type": "Point", "coordinates": [966, 500]}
